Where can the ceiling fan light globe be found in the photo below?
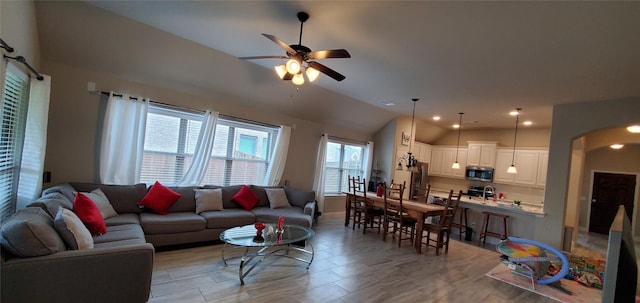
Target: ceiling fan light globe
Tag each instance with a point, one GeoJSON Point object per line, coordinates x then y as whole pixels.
{"type": "Point", "coordinates": [298, 79]}
{"type": "Point", "coordinates": [312, 74]}
{"type": "Point", "coordinates": [281, 70]}
{"type": "Point", "coordinates": [293, 66]}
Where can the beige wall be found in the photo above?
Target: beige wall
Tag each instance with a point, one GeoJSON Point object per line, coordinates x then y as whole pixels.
{"type": "Point", "coordinates": [571, 121]}
{"type": "Point", "coordinates": [18, 29]}
{"type": "Point", "coordinates": [384, 150]}
{"type": "Point", "coordinates": [527, 137]}
{"type": "Point", "coordinates": [74, 123]}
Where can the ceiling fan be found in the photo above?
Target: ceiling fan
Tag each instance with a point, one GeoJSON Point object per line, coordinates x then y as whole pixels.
{"type": "Point", "coordinates": [300, 55]}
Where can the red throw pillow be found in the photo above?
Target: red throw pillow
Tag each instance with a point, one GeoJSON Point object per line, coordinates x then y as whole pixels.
{"type": "Point", "coordinates": [246, 198]}
{"type": "Point", "coordinates": [89, 214]}
{"type": "Point", "coordinates": [159, 199]}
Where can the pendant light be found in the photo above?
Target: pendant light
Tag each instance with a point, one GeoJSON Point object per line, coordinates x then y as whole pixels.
{"type": "Point", "coordinates": [512, 169]}
{"type": "Point", "coordinates": [410, 161]}
{"type": "Point", "coordinates": [456, 165]}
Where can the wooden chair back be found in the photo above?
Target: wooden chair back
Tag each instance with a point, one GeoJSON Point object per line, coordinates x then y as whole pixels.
{"type": "Point", "coordinates": [451, 207]}
{"type": "Point", "coordinates": [394, 212]}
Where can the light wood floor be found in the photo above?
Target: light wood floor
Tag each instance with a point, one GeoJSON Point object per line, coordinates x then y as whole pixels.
{"type": "Point", "coordinates": [348, 267]}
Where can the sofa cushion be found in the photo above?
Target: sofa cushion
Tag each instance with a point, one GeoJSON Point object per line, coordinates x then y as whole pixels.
{"type": "Point", "coordinates": [50, 202]}
{"type": "Point", "coordinates": [154, 224]}
{"type": "Point", "coordinates": [277, 198]}
{"type": "Point", "coordinates": [299, 197]}
{"type": "Point", "coordinates": [292, 215]}
{"type": "Point", "coordinates": [72, 230]}
{"type": "Point", "coordinates": [230, 217]}
{"type": "Point", "coordinates": [208, 199]}
{"type": "Point", "coordinates": [30, 233]}
{"type": "Point", "coordinates": [89, 213]}
{"type": "Point", "coordinates": [65, 189]}
{"type": "Point", "coordinates": [260, 191]}
{"type": "Point", "coordinates": [227, 195]}
{"type": "Point", "coordinates": [120, 233]}
{"type": "Point", "coordinates": [159, 199]}
{"type": "Point", "coordinates": [102, 202]}
{"type": "Point", "coordinates": [123, 198]}
{"type": "Point", "coordinates": [187, 200]}
{"type": "Point", "coordinates": [246, 198]}
{"type": "Point", "coordinates": [122, 219]}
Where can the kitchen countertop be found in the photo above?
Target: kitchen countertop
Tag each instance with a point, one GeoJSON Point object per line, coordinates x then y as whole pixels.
{"type": "Point", "coordinates": [503, 205]}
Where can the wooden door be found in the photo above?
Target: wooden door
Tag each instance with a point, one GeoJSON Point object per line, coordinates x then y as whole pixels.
{"type": "Point", "coordinates": [609, 191]}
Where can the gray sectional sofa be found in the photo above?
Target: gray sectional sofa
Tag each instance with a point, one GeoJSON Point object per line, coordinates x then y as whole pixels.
{"type": "Point", "coordinates": [119, 267]}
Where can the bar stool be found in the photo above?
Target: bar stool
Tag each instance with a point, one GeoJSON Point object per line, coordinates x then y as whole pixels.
{"type": "Point", "coordinates": [485, 223]}
{"type": "Point", "coordinates": [462, 221]}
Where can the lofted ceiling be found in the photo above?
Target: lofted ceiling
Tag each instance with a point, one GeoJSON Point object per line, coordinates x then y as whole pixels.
{"type": "Point", "coordinates": [481, 58]}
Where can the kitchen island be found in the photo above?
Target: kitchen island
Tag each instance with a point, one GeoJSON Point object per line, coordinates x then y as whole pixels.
{"type": "Point", "coordinates": [521, 220]}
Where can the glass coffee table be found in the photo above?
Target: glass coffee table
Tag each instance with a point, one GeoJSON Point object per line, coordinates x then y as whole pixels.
{"type": "Point", "coordinates": [268, 244]}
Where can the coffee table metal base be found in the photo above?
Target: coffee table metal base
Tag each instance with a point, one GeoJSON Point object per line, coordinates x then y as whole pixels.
{"type": "Point", "coordinates": [248, 259]}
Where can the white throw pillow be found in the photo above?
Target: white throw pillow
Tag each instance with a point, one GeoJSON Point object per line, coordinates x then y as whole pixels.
{"type": "Point", "coordinates": [277, 198]}
{"type": "Point", "coordinates": [72, 230]}
{"type": "Point", "coordinates": [102, 202]}
{"type": "Point", "coordinates": [208, 199]}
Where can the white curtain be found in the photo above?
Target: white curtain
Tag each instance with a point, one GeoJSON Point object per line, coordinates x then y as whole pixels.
{"type": "Point", "coordinates": [318, 182]}
{"type": "Point", "coordinates": [367, 162]}
{"type": "Point", "coordinates": [123, 140]}
{"type": "Point", "coordinates": [35, 142]}
{"type": "Point", "coordinates": [279, 158]}
{"type": "Point", "coordinates": [203, 150]}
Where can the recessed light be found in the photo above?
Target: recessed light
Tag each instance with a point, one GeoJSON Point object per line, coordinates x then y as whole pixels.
{"type": "Point", "coordinates": [513, 113]}
{"type": "Point", "coordinates": [387, 103]}
{"type": "Point", "coordinates": [527, 123]}
{"type": "Point", "coordinates": [436, 118]}
{"type": "Point", "coordinates": [616, 146]}
{"type": "Point", "coordinates": [456, 126]}
{"type": "Point", "coordinates": [634, 129]}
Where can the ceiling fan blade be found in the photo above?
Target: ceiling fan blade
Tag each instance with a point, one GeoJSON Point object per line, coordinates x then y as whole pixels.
{"type": "Point", "coordinates": [334, 53]}
{"type": "Point", "coordinates": [327, 71]}
{"type": "Point", "coordinates": [281, 43]}
{"type": "Point", "coordinates": [262, 57]}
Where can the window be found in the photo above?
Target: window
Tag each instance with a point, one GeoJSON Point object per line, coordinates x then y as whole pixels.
{"type": "Point", "coordinates": [343, 160]}
{"type": "Point", "coordinates": [13, 117]}
{"type": "Point", "coordinates": [240, 153]}
{"type": "Point", "coordinates": [169, 144]}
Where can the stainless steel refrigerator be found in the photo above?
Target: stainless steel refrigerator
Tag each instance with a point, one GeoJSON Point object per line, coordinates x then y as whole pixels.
{"type": "Point", "coordinates": [419, 182]}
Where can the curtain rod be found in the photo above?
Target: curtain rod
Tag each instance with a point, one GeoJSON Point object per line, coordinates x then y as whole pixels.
{"type": "Point", "coordinates": [20, 59]}
{"type": "Point", "coordinates": [196, 110]}
{"type": "Point", "coordinates": [346, 140]}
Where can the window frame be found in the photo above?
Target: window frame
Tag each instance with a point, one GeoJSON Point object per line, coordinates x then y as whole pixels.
{"type": "Point", "coordinates": [343, 185]}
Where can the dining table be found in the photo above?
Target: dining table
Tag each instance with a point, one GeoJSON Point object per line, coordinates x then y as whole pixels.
{"type": "Point", "coordinates": [416, 209]}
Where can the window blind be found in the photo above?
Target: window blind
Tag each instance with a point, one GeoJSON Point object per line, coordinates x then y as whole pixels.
{"type": "Point", "coordinates": [12, 115]}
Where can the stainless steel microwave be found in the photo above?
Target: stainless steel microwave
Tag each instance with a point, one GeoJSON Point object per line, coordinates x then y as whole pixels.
{"type": "Point", "coordinates": [479, 173]}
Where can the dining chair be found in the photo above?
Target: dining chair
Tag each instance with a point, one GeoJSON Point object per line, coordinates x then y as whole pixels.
{"type": "Point", "coordinates": [368, 214]}
{"type": "Point", "coordinates": [355, 202]}
{"type": "Point", "coordinates": [442, 228]}
{"type": "Point", "coordinates": [396, 220]}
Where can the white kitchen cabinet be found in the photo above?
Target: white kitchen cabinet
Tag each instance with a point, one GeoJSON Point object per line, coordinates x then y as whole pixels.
{"type": "Point", "coordinates": [423, 152]}
{"type": "Point", "coordinates": [481, 154]}
{"type": "Point", "coordinates": [527, 166]}
{"type": "Point", "coordinates": [435, 166]}
{"type": "Point", "coordinates": [543, 161]}
{"type": "Point", "coordinates": [503, 161]}
{"type": "Point", "coordinates": [442, 159]}
{"type": "Point", "coordinates": [528, 162]}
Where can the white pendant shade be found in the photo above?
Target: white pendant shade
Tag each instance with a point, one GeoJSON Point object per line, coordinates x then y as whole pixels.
{"type": "Point", "coordinates": [298, 79]}
{"type": "Point", "coordinates": [281, 70]}
{"type": "Point", "coordinates": [312, 73]}
{"type": "Point", "coordinates": [512, 170]}
{"type": "Point", "coordinates": [455, 165]}
{"type": "Point", "coordinates": [293, 66]}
